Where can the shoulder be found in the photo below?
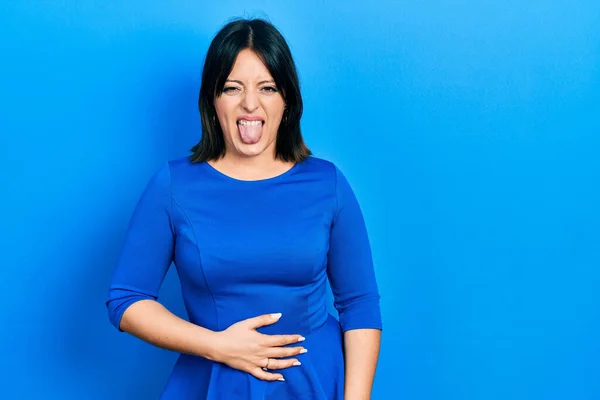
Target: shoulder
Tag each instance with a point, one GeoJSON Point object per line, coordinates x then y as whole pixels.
{"type": "Point", "coordinates": [182, 169]}
{"type": "Point", "coordinates": [329, 170]}
{"type": "Point", "coordinates": [180, 164]}
{"type": "Point", "coordinates": [327, 175]}
{"type": "Point", "coordinates": [321, 166]}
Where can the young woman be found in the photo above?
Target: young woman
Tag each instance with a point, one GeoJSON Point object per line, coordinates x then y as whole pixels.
{"type": "Point", "coordinates": [255, 226]}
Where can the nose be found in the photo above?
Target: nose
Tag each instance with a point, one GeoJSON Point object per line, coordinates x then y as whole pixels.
{"type": "Point", "coordinates": [249, 101]}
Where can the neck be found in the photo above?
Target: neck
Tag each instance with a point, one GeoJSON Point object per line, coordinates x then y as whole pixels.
{"type": "Point", "coordinates": [256, 167]}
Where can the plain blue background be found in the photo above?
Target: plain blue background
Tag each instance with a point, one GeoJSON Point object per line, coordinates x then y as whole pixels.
{"type": "Point", "coordinates": [469, 131]}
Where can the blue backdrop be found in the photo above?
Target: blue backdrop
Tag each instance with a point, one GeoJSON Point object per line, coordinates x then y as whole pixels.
{"type": "Point", "coordinates": [469, 131]}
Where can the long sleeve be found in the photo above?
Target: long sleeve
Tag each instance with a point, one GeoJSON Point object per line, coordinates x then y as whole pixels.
{"type": "Point", "coordinates": [147, 251]}
{"type": "Point", "coordinates": [350, 264]}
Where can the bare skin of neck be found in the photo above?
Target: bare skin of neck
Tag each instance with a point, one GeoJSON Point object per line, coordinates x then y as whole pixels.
{"type": "Point", "coordinates": [251, 168]}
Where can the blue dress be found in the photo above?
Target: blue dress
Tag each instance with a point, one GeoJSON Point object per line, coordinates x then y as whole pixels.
{"type": "Point", "coordinates": [246, 248]}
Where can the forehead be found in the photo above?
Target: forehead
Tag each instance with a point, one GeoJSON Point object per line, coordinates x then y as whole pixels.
{"type": "Point", "coordinates": [249, 67]}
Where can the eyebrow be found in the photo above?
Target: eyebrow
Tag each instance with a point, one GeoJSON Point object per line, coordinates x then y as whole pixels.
{"type": "Point", "coordinates": [240, 82]}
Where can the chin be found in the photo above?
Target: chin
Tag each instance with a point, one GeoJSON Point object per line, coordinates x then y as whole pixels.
{"type": "Point", "coordinates": [255, 149]}
{"type": "Point", "coordinates": [251, 150]}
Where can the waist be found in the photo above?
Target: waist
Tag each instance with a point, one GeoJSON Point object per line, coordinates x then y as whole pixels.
{"type": "Point", "coordinates": [299, 315]}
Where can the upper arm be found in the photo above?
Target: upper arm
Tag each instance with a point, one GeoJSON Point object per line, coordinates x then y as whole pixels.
{"type": "Point", "coordinates": [147, 251]}
{"type": "Point", "coordinates": [350, 264]}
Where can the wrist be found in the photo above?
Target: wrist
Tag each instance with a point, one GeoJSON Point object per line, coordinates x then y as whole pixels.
{"type": "Point", "coordinates": [213, 345]}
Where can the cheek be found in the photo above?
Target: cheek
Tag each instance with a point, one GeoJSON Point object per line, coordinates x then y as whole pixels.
{"type": "Point", "coordinates": [225, 104]}
{"type": "Point", "coordinates": [276, 113]}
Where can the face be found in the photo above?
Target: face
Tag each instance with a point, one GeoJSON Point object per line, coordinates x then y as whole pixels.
{"type": "Point", "coordinates": [250, 108]}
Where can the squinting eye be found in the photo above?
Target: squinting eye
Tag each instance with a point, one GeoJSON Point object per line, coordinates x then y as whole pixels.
{"type": "Point", "coordinates": [229, 89]}
{"type": "Point", "coordinates": [270, 89]}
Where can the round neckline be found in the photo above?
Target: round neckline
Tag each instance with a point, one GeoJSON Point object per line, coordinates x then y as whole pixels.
{"type": "Point", "coordinates": [253, 181]}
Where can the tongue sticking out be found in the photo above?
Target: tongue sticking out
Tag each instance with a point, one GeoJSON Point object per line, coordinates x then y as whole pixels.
{"type": "Point", "coordinates": [250, 134]}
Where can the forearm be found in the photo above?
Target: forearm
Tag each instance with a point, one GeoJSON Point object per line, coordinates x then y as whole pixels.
{"type": "Point", "coordinates": [150, 321]}
{"type": "Point", "coordinates": [361, 348]}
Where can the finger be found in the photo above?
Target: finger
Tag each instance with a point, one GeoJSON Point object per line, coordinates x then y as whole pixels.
{"type": "Point", "coordinates": [266, 376]}
{"type": "Point", "coordinates": [262, 320]}
{"type": "Point", "coordinates": [281, 364]}
{"type": "Point", "coordinates": [283, 352]}
{"type": "Point", "coordinates": [282, 340]}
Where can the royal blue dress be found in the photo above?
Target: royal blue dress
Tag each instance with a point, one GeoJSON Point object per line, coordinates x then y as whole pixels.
{"type": "Point", "coordinates": [246, 248]}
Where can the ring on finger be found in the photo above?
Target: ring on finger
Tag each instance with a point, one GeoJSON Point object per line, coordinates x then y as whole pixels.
{"type": "Point", "coordinates": [266, 367]}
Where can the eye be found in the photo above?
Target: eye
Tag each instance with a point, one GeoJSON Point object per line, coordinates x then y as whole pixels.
{"type": "Point", "coordinates": [270, 89]}
{"type": "Point", "coordinates": [229, 89]}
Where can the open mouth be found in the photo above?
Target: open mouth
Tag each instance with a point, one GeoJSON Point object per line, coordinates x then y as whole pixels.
{"type": "Point", "coordinates": [245, 122]}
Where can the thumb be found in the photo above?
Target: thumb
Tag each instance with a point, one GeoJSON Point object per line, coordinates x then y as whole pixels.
{"type": "Point", "coordinates": [262, 320]}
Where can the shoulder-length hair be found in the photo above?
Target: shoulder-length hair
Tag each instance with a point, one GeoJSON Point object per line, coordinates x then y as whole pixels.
{"type": "Point", "coordinates": [269, 45]}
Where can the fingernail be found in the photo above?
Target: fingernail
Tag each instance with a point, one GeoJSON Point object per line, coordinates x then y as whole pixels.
{"type": "Point", "coordinates": [303, 351]}
{"type": "Point", "coordinates": [297, 363]}
{"type": "Point", "coordinates": [281, 379]}
{"type": "Point", "coordinates": [276, 316]}
{"type": "Point", "coordinates": [301, 339]}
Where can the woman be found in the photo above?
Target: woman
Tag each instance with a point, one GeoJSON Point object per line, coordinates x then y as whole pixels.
{"type": "Point", "coordinates": [255, 226]}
